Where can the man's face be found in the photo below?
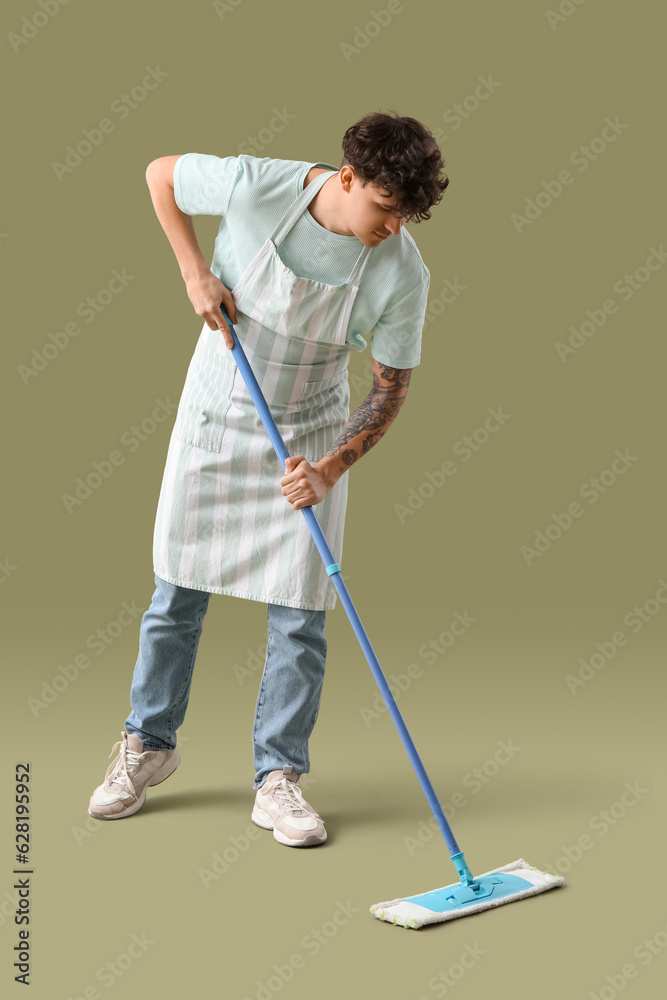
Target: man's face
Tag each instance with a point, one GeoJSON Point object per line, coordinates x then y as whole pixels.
{"type": "Point", "coordinates": [371, 212]}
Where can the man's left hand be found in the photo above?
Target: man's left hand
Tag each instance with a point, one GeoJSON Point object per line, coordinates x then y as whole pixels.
{"type": "Point", "coordinates": [304, 484]}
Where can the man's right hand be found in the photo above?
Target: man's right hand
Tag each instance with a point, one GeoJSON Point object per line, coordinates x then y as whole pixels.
{"type": "Point", "coordinates": [206, 293]}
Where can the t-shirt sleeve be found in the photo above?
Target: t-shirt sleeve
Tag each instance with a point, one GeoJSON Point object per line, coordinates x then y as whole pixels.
{"type": "Point", "coordinates": [396, 339]}
{"type": "Point", "coordinates": [203, 183]}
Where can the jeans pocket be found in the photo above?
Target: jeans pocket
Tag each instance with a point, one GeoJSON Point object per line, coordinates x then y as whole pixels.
{"type": "Point", "coordinates": [205, 400]}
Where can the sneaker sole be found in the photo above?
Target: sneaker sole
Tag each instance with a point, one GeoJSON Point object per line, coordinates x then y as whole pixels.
{"type": "Point", "coordinates": [261, 818]}
{"type": "Point", "coordinates": [160, 775]}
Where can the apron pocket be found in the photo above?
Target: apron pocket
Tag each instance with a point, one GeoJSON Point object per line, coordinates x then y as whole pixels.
{"type": "Point", "coordinates": [205, 400]}
{"type": "Point", "coordinates": [313, 388]}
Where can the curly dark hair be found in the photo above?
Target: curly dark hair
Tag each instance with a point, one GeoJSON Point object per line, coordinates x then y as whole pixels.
{"type": "Point", "coordinates": [399, 155]}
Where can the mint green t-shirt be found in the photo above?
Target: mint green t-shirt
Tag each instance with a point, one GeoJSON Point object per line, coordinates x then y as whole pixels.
{"type": "Point", "coordinates": [252, 194]}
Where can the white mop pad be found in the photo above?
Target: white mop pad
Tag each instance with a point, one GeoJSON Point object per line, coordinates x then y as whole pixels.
{"type": "Point", "coordinates": [407, 914]}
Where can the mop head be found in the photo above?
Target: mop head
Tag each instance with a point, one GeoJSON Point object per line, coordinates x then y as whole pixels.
{"type": "Point", "coordinates": [502, 885]}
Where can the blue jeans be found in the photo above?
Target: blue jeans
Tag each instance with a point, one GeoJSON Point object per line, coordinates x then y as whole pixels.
{"type": "Point", "coordinates": [289, 694]}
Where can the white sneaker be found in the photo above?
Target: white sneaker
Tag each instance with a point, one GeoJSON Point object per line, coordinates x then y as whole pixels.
{"type": "Point", "coordinates": [281, 807]}
{"type": "Point", "coordinates": [128, 776]}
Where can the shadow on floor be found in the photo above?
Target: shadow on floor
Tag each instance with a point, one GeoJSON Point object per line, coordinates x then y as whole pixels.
{"type": "Point", "coordinates": [201, 798]}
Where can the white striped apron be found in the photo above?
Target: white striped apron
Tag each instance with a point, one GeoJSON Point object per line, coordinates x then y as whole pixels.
{"type": "Point", "coordinates": [222, 524]}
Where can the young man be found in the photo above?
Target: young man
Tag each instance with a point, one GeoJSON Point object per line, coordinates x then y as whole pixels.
{"type": "Point", "coordinates": [294, 241]}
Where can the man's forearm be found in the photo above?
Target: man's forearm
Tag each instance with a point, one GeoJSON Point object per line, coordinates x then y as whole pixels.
{"type": "Point", "coordinates": [369, 423]}
{"type": "Point", "coordinates": [178, 227]}
{"type": "Point", "coordinates": [205, 290]}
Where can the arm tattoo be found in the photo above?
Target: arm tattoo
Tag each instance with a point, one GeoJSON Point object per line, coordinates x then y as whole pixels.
{"type": "Point", "coordinates": [374, 415]}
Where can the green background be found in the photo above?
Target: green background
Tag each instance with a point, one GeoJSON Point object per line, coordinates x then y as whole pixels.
{"type": "Point", "coordinates": [67, 574]}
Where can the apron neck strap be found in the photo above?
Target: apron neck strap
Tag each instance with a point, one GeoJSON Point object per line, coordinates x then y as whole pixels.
{"type": "Point", "coordinates": [355, 276]}
{"type": "Point", "coordinates": [298, 206]}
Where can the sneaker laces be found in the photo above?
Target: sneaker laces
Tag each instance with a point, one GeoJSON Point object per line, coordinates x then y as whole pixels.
{"type": "Point", "coordinates": [290, 795]}
{"type": "Point", "coordinates": [117, 772]}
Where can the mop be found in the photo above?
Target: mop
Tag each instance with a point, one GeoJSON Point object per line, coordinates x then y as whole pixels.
{"type": "Point", "coordinates": [510, 882]}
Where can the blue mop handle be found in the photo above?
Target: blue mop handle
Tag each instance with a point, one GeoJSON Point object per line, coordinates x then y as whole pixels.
{"type": "Point", "coordinates": [333, 569]}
